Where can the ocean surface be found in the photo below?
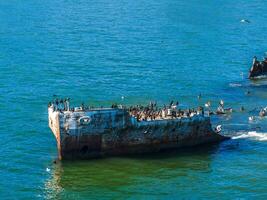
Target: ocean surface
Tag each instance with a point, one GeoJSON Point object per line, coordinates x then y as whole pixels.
{"type": "Point", "coordinates": [99, 51]}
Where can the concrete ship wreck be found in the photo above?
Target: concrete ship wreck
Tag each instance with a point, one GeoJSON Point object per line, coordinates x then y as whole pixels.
{"type": "Point", "coordinates": [83, 133]}
{"type": "Point", "coordinates": [258, 68]}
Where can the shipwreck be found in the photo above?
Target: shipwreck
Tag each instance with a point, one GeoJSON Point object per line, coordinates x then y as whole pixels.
{"type": "Point", "coordinates": [84, 132]}
{"type": "Point", "coordinates": [258, 68]}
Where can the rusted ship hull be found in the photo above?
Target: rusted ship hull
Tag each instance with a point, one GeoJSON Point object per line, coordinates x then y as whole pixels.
{"type": "Point", "coordinates": [114, 132]}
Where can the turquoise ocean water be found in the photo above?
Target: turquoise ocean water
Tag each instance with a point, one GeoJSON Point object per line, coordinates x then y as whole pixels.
{"type": "Point", "coordinates": [98, 51]}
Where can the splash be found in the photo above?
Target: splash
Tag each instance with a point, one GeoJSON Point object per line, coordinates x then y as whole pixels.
{"type": "Point", "coordinates": [252, 135]}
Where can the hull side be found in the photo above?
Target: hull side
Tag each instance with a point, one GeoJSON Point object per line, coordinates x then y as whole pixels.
{"type": "Point", "coordinates": [78, 141]}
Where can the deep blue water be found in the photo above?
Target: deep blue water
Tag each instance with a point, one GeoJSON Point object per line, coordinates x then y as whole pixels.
{"type": "Point", "coordinates": [98, 51]}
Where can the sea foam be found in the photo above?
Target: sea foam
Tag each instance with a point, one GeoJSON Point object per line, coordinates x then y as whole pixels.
{"type": "Point", "coordinates": [235, 85]}
{"type": "Point", "coordinates": [252, 135]}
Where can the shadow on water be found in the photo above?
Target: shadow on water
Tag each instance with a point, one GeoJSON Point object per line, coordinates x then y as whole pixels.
{"type": "Point", "coordinates": [117, 174]}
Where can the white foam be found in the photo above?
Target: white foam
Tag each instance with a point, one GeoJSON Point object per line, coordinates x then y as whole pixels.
{"type": "Point", "coordinates": [235, 85]}
{"type": "Point", "coordinates": [260, 77]}
{"type": "Point", "coordinates": [252, 135]}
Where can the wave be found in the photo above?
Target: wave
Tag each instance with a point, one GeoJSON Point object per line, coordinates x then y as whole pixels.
{"type": "Point", "coordinates": [252, 135]}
